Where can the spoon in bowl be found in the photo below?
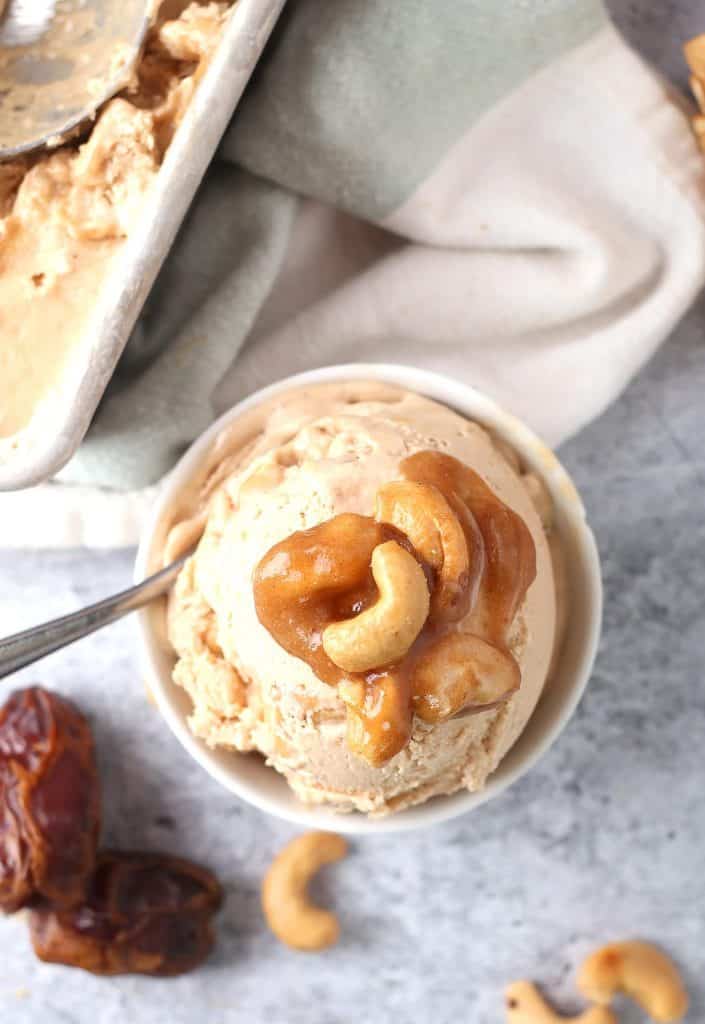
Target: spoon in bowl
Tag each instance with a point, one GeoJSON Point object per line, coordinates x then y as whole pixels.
{"type": "Point", "coordinates": [30, 645]}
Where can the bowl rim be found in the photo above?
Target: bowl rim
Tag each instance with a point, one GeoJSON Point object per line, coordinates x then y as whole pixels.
{"type": "Point", "coordinates": [467, 401]}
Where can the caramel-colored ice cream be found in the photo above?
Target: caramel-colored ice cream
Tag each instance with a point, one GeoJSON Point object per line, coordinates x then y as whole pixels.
{"type": "Point", "coordinates": [65, 215]}
{"type": "Point", "coordinates": [294, 465]}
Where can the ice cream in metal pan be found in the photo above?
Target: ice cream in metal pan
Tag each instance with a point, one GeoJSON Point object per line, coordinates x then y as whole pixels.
{"type": "Point", "coordinates": [85, 226]}
{"type": "Point", "coordinates": [65, 215]}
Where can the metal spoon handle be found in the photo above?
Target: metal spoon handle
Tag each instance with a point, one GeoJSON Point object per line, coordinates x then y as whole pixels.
{"type": "Point", "coordinates": [32, 644]}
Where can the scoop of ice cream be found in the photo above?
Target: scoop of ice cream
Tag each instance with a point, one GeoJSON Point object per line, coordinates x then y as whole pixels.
{"type": "Point", "coordinates": [312, 457]}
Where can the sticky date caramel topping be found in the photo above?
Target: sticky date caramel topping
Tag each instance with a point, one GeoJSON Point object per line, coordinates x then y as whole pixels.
{"type": "Point", "coordinates": [319, 576]}
{"type": "Point", "coordinates": [477, 556]}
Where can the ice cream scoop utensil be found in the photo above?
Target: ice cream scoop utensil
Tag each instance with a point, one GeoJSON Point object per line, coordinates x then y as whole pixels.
{"type": "Point", "coordinates": [59, 61]}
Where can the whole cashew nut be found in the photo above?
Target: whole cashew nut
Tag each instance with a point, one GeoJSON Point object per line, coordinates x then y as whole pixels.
{"type": "Point", "coordinates": [461, 670]}
{"type": "Point", "coordinates": [640, 971]}
{"type": "Point", "coordinates": [383, 633]}
{"type": "Point", "coordinates": [694, 51]}
{"type": "Point", "coordinates": [509, 551]}
{"type": "Point", "coordinates": [526, 1005]}
{"type": "Point", "coordinates": [289, 913]}
{"type": "Point", "coordinates": [422, 513]}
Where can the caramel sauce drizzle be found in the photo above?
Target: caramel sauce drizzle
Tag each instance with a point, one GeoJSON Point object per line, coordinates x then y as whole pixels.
{"type": "Point", "coordinates": [322, 575]}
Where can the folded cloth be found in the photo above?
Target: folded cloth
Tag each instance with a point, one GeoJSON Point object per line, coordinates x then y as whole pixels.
{"type": "Point", "coordinates": [504, 193]}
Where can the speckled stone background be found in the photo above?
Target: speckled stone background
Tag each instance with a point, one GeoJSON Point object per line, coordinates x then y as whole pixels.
{"type": "Point", "coordinates": [604, 839]}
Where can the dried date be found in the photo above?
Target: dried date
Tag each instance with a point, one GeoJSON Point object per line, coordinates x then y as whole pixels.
{"type": "Point", "coordinates": [144, 913]}
{"type": "Point", "coordinates": [49, 800]}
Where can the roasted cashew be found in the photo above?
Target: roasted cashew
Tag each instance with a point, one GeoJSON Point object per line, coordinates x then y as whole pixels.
{"type": "Point", "coordinates": [640, 971]}
{"type": "Point", "coordinates": [509, 551]}
{"type": "Point", "coordinates": [422, 513]}
{"type": "Point", "coordinates": [461, 670]}
{"type": "Point", "coordinates": [290, 915]}
{"type": "Point", "coordinates": [694, 51]}
{"type": "Point", "coordinates": [383, 633]}
{"type": "Point", "coordinates": [526, 1005]}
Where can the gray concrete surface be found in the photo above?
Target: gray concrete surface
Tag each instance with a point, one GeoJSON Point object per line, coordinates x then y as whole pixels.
{"type": "Point", "coordinates": [604, 839]}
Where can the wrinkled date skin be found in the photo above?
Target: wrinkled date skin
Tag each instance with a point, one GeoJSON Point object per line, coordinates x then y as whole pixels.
{"type": "Point", "coordinates": [49, 800]}
{"type": "Point", "coordinates": [144, 913]}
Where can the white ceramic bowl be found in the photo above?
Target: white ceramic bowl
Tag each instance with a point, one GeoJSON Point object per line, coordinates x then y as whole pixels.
{"type": "Point", "coordinates": [247, 776]}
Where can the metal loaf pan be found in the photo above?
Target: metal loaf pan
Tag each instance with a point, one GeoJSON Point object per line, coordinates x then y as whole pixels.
{"type": "Point", "coordinates": [49, 441]}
